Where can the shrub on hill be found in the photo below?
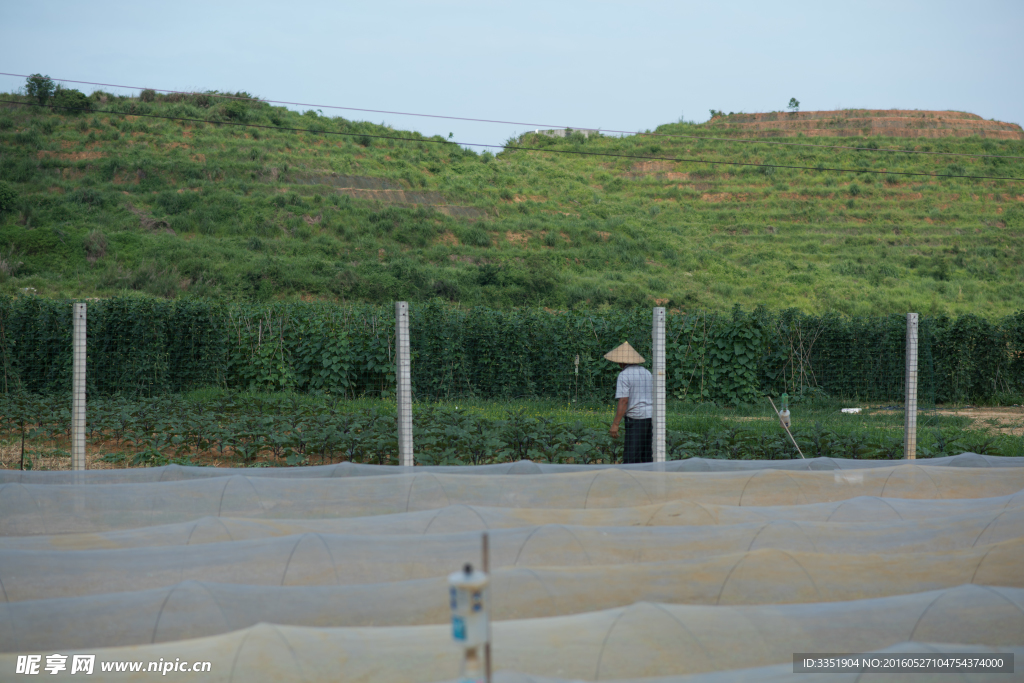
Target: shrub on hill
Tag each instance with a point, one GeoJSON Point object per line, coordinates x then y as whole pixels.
{"type": "Point", "coordinates": [71, 101]}
{"type": "Point", "coordinates": [7, 197]}
{"type": "Point", "coordinates": [1014, 216]}
{"type": "Point", "coordinates": [95, 244]}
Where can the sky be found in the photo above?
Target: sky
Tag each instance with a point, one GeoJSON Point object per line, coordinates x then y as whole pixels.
{"type": "Point", "coordinates": [608, 65]}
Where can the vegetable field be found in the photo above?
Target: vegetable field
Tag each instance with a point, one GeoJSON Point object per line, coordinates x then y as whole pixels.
{"type": "Point", "coordinates": [215, 427]}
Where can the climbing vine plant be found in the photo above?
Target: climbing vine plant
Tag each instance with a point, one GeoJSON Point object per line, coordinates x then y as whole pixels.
{"type": "Point", "coordinates": [149, 347]}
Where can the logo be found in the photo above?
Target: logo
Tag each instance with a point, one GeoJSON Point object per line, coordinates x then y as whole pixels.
{"type": "Point", "coordinates": [55, 663]}
{"type": "Point", "coordinates": [458, 628]}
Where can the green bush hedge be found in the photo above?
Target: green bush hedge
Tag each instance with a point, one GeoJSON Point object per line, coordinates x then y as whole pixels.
{"type": "Point", "coordinates": [149, 347]}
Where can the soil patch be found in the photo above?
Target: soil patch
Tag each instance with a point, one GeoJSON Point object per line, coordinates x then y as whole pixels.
{"type": "Point", "coordinates": [148, 222]}
{"type": "Point", "coordinates": [126, 178]}
{"type": "Point", "coordinates": [49, 458]}
{"type": "Point", "coordinates": [71, 156]}
{"type": "Point", "coordinates": [1005, 420]}
{"type": "Point", "coordinates": [858, 122]}
{"type": "Point", "coordinates": [456, 211]}
{"type": "Point", "coordinates": [653, 166]}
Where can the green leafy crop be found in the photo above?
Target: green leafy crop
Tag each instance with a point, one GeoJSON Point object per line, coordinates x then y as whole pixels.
{"type": "Point", "coordinates": [150, 347]}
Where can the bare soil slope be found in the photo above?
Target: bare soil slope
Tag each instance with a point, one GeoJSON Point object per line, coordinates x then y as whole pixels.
{"type": "Point", "coordinates": [863, 122]}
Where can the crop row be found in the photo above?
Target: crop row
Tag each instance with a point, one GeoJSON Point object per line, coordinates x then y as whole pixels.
{"type": "Point", "coordinates": [151, 347]}
{"type": "Point", "coordinates": [288, 431]}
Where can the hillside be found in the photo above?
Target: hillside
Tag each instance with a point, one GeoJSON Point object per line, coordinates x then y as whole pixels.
{"type": "Point", "coordinates": [894, 123]}
{"type": "Point", "coordinates": [125, 201]}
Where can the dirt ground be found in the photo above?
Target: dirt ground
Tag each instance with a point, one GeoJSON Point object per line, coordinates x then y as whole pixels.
{"type": "Point", "coordinates": [56, 455]}
{"type": "Point", "coordinates": [1005, 420]}
{"type": "Point", "coordinates": [48, 458]}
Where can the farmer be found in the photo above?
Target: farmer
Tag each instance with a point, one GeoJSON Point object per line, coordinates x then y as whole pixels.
{"type": "Point", "coordinates": [634, 389]}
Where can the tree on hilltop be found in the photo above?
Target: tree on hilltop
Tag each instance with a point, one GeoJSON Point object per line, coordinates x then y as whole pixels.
{"type": "Point", "coordinates": [794, 105]}
{"type": "Point", "coordinates": [40, 87]}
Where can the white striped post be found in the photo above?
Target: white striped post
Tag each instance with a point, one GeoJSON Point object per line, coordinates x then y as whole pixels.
{"type": "Point", "coordinates": [78, 389]}
{"type": "Point", "coordinates": [910, 405]}
{"type": "Point", "coordinates": [403, 384]}
{"type": "Point", "coordinates": [658, 348]}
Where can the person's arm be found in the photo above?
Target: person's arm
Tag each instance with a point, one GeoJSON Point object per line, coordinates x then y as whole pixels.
{"type": "Point", "coordinates": [620, 412]}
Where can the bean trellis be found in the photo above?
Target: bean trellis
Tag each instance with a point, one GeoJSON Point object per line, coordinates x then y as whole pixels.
{"type": "Point", "coordinates": [151, 347]}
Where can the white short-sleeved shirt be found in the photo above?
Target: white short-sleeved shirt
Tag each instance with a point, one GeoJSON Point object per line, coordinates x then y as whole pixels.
{"type": "Point", "coordinates": [636, 384]}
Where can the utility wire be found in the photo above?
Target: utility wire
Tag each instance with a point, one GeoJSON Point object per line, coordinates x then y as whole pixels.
{"type": "Point", "coordinates": [537, 125]}
{"type": "Point", "coordinates": [524, 149]}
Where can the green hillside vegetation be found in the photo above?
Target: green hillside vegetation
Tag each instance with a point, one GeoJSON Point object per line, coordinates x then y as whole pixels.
{"type": "Point", "coordinates": [95, 203]}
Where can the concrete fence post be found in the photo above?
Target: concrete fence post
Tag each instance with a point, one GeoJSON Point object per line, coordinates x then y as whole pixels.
{"type": "Point", "coordinates": [78, 389]}
{"type": "Point", "coordinates": [658, 349]}
{"type": "Point", "coordinates": [403, 384]}
{"type": "Point", "coordinates": [910, 405]}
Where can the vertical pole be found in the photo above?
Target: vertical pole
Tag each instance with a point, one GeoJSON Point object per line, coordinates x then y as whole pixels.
{"type": "Point", "coordinates": [403, 383]}
{"type": "Point", "coordinates": [486, 566]}
{"type": "Point", "coordinates": [658, 347]}
{"type": "Point", "coordinates": [78, 390]}
{"type": "Point", "coordinates": [910, 405]}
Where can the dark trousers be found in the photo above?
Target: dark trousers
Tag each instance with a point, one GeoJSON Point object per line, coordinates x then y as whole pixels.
{"type": "Point", "coordinates": [639, 438]}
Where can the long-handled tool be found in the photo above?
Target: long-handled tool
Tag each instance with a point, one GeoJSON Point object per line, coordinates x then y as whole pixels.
{"type": "Point", "coordinates": [785, 427]}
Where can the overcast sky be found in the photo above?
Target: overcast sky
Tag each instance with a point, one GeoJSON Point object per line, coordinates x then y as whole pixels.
{"type": "Point", "coordinates": [628, 66]}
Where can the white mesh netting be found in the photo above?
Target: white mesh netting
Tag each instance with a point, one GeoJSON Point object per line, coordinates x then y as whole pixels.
{"type": "Point", "coordinates": [639, 640]}
{"type": "Point", "coordinates": [51, 509]}
{"type": "Point", "coordinates": [348, 469]}
{"type": "Point", "coordinates": [338, 573]}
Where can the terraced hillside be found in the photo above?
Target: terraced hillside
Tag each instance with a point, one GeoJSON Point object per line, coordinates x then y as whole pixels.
{"type": "Point", "coordinates": [199, 195]}
{"type": "Point", "coordinates": [895, 123]}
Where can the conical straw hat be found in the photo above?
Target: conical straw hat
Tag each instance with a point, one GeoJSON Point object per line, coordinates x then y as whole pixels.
{"type": "Point", "coordinates": [624, 353]}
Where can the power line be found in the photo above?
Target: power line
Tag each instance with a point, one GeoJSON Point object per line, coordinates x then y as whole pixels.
{"type": "Point", "coordinates": [524, 149]}
{"type": "Point", "coordinates": [538, 125]}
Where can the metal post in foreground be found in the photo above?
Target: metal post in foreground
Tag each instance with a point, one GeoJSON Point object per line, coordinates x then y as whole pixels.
{"type": "Point", "coordinates": [910, 405]}
{"type": "Point", "coordinates": [658, 349]}
{"type": "Point", "coordinates": [403, 384]}
{"type": "Point", "coordinates": [486, 566]}
{"type": "Point", "coordinates": [78, 390]}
